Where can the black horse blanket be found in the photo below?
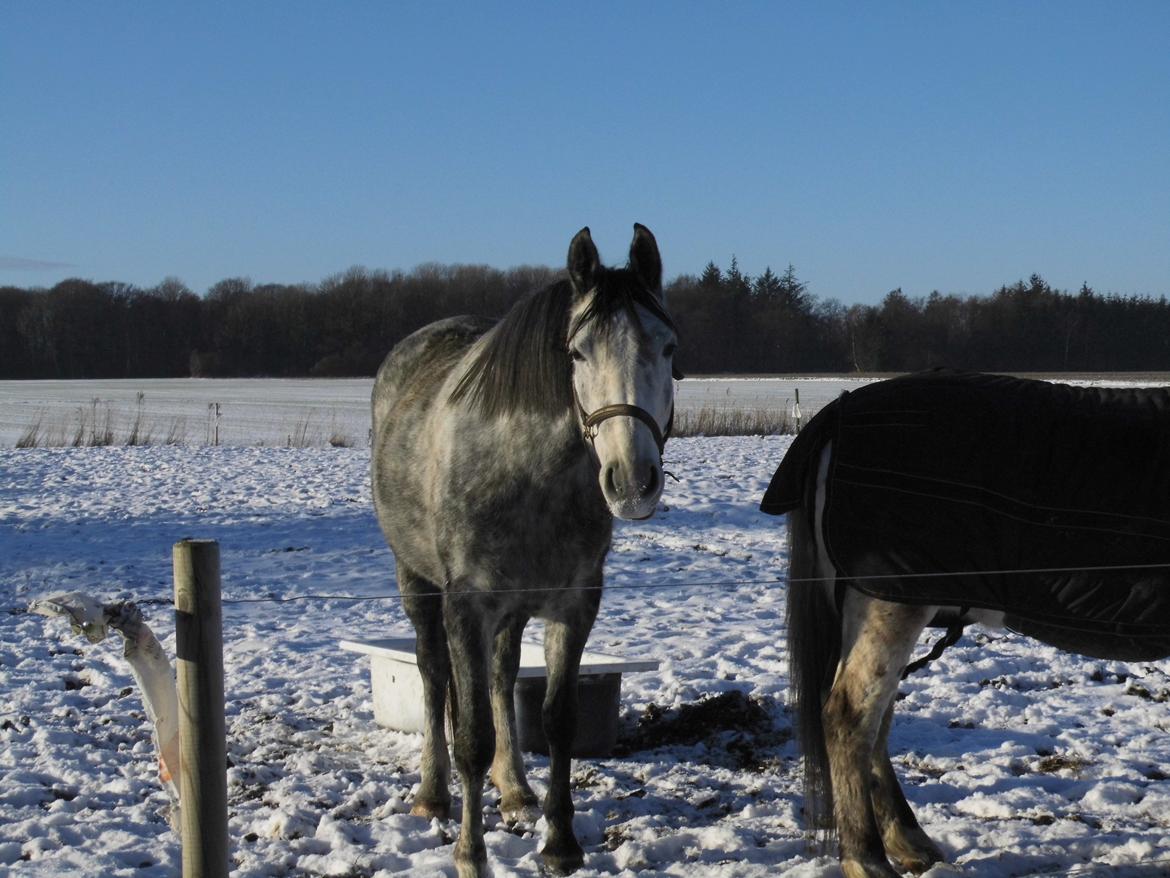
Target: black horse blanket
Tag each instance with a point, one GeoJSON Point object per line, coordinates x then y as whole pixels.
{"type": "Point", "coordinates": [1048, 502]}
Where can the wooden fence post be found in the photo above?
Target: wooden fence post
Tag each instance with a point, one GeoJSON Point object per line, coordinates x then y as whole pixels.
{"type": "Point", "coordinates": [202, 730]}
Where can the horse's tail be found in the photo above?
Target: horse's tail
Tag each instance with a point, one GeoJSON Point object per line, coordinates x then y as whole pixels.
{"type": "Point", "coordinates": [814, 649]}
{"type": "Point", "coordinates": [452, 707]}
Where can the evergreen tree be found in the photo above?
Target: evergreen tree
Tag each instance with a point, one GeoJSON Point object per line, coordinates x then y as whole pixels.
{"type": "Point", "coordinates": [766, 289]}
{"type": "Point", "coordinates": [793, 293]}
{"type": "Point", "coordinates": [712, 277]}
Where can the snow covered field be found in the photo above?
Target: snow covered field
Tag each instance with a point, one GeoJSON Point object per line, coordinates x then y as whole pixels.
{"type": "Point", "coordinates": [299, 412]}
{"type": "Point", "coordinates": [1019, 759]}
{"type": "Point", "coordinates": [305, 412]}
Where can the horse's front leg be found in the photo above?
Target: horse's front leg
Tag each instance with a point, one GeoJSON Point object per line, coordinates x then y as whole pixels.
{"type": "Point", "coordinates": [564, 641]}
{"type": "Point", "coordinates": [469, 637]}
{"type": "Point", "coordinates": [423, 604]}
{"type": "Point", "coordinates": [905, 840]}
{"type": "Point", "coordinates": [879, 638]}
{"type": "Point", "coordinates": [517, 801]}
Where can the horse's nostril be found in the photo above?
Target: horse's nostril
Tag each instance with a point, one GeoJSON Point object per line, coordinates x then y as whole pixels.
{"type": "Point", "coordinates": [651, 484]}
{"type": "Point", "coordinates": [611, 480]}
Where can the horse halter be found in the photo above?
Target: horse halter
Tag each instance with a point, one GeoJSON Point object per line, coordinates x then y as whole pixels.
{"type": "Point", "coordinates": [592, 421]}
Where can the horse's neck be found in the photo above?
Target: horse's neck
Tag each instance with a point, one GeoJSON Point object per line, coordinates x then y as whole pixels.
{"type": "Point", "coordinates": [552, 449]}
{"type": "Point", "coordinates": [558, 438]}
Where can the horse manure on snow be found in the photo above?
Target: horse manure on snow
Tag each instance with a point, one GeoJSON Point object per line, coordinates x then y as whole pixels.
{"type": "Point", "coordinates": [736, 729]}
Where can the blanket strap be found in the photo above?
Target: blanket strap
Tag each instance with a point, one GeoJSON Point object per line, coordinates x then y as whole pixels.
{"type": "Point", "coordinates": [954, 632]}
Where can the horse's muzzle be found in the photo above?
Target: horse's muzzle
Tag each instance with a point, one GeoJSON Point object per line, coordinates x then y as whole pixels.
{"type": "Point", "coordinates": [632, 492]}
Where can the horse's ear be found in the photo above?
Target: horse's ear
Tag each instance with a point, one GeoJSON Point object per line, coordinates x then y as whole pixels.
{"type": "Point", "coordinates": [644, 258]}
{"type": "Point", "coordinates": [584, 263]}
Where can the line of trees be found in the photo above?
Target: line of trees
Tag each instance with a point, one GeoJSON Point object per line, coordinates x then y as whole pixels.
{"type": "Point", "coordinates": [728, 322]}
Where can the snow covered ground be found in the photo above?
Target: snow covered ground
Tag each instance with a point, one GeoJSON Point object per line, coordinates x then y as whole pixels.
{"type": "Point", "coordinates": [1019, 759]}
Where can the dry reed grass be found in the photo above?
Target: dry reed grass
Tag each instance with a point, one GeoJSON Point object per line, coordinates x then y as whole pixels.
{"type": "Point", "coordinates": [710, 421]}
{"type": "Point", "coordinates": [94, 426]}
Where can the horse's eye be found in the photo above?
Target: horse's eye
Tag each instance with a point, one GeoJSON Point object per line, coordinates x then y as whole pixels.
{"type": "Point", "coordinates": [576, 354]}
{"type": "Point", "coordinates": [669, 350]}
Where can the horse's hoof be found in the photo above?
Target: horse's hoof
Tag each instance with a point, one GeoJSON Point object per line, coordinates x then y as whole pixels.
{"type": "Point", "coordinates": [524, 815]}
{"type": "Point", "coordinates": [431, 809]}
{"type": "Point", "coordinates": [919, 863]}
{"type": "Point", "coordinates": [520, 808]}
{"type": "Point", "coordinates": [915, 854]}
{"type": "Point", "coordinates": [564, 859]}
{"type": "Point", "coordinates": [864, 869]}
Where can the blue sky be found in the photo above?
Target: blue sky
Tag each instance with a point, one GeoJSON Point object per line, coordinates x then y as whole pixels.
{"type": "Point", "coordinates": [933, 145]}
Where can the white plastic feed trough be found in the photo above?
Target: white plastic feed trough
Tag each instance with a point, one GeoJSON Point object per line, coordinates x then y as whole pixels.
{"type": "Point", "coordinates": [398, 695]}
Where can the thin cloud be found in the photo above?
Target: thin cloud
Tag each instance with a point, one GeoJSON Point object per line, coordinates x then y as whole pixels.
{"type": "Point", "coordinates": [17, 263]}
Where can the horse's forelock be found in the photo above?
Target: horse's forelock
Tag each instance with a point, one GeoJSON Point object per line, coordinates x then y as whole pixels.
{"type": "Point", "coordinates": [620, 290]}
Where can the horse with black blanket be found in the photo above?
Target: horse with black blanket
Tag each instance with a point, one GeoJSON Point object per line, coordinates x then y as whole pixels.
{"type": "Point", "coordinates": [945, 498]}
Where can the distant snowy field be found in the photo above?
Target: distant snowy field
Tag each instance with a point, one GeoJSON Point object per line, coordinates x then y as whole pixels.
{"type": "Point", "coordinates": [299, 412]}
{"type": "Point", "coordinates": [307, 412]}
{"type": "Point", "coordinates": [1019, 760]}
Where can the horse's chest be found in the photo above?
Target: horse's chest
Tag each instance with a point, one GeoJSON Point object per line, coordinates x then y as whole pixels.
{"type": "Point", "coordinates": [524, 526]}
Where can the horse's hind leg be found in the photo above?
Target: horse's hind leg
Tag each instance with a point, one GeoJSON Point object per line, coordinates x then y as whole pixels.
{"type": "Point", "coordinates": [906, 842]}
{"type": "Point", "coordinates": [423, 604]}
{"type": "Point", "coordinates": [879, 637]}
{"type": "Point", "coordinates": [564, 641]}
{"type": "Point", "coordinates": [517, 801]}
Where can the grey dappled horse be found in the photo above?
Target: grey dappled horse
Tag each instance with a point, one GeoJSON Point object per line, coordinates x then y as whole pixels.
{"type": "Point", "coordinates": [501, 455]}
{"type": "Point", "coordinates": [946, 498]}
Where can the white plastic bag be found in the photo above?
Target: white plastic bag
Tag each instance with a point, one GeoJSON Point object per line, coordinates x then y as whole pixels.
{"type": "Point", "coordinates": [149, 664]}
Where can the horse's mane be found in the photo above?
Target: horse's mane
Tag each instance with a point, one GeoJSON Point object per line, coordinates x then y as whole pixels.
{"type": "Point", "coordinates": [524, 364]}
